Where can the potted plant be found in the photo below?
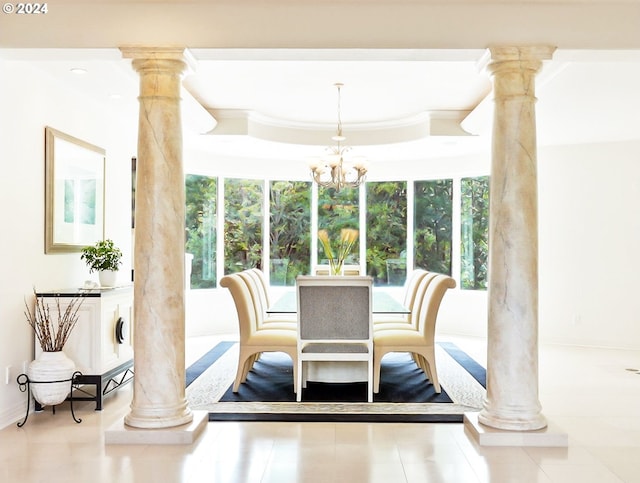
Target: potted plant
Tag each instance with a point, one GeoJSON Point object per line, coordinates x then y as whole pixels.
{"type": "Point", "coordinates": [51, 372]}
{"type": "Point", "coordinates": [105, 258]}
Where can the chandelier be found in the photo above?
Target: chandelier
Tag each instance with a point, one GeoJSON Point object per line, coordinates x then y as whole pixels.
{"type": "Point", "coordinates": [333, 170]}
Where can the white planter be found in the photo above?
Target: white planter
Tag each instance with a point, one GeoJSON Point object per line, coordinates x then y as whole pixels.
{"type": "Point", "coordinates": [51, 366]}
{"type": "Point", "coordinates": [107, 278]}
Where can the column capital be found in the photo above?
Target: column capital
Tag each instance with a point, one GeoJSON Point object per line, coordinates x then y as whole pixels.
{"type": "Point", "coordinates": [524, 56]}
{"type": "Point", "coordinates": [167, 55]}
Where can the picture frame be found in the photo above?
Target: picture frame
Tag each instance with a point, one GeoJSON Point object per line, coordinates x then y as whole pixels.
{"type": "Point", "coordinates": [74, 192]}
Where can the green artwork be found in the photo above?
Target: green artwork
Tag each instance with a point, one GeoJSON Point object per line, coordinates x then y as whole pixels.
{"type": "Point", "coordinates": [80, 201]}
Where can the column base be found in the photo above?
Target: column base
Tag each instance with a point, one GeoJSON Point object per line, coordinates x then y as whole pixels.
{"type": "Point", "coordinates": [549, 436]}
{"type": "Point", "coordinates": [120, 433]}
{"type": "Point", "coordinates": [532, 422]}
{"type": "Point", "coordinates": [158, 417]}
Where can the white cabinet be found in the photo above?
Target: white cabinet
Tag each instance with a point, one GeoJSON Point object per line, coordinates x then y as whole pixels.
{"type": "Point", "coordinates": [101, 343]}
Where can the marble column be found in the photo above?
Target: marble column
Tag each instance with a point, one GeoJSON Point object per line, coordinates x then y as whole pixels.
{"type": "Point", "coordinates": [159, 332]}
{"type": "Point", "coordinates": [512, 354]}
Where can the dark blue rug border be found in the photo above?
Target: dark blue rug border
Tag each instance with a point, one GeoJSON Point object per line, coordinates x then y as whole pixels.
{"type": "Point", "coordinates": [197, 368]}
{"type": "Point", "coordinates": [478, 372]}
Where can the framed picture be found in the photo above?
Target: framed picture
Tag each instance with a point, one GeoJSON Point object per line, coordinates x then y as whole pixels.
{"type": "Point", "coordinates": [74, 192]}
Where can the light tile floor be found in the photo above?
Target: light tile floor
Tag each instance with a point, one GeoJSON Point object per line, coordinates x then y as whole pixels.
{"type": "Point", "coordinates": [590, 393]}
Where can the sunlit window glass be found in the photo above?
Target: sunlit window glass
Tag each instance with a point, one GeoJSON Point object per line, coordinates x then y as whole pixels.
{"type": "Point", "coordinates": [474, 231]}
{"type": "Point", "coordinates": [289, 231]}
{"type": "Point", "coordinates": [243, 202]}
{"type": "Point", "coordinates": [201, 216]}
{"type": "Point", "coordinates": [387, 232]}
{"type": "Point", "coordinates": [432, 226]}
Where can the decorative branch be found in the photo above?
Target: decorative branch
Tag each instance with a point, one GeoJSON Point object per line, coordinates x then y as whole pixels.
{"type": "Point", "coordinates": [53, 336]}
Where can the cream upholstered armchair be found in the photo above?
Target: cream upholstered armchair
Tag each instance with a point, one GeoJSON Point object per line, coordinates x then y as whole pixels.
{"type": "Point", "coordinates": [252, 340]}
{"type": "Point", "coordinates": [420, 343]}
{"type": "Point", "coordinates": [334, 323]}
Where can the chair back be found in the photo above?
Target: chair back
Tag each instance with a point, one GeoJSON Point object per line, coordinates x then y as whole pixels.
{"type": "Point", "coordinates": [334, 308]}
{"type": "Point", "coordinates": [430, 305]}
{"type": "Point", "coordinates": [411, 285]}
{"type": "Point", "coordinates": [261, 277]}
{"type": "Point", "coordinates": [247, 322]}
{"type": "Point", "coordinates": [257, 294]}
{"type": "Point", "coordinates": [417, 297]}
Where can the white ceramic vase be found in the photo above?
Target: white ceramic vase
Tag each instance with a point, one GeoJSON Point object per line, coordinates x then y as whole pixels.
{"type": "Point", "coordinates": [51, 366]}
{"type": "Point", "coordinates": [107, 278]}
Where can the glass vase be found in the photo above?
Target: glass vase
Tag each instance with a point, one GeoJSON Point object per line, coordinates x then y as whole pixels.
{"type": "Point", "coordinates": [336, 267]}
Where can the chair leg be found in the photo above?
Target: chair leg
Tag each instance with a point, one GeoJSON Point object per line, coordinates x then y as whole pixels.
{"type": "Point", "coordinates": [421, 363]}
{"type": "Point", "coordinates": [377, 360]}
{"type": "Point", "coordinates": [433, 375]}
{"type": "Point", "coordinates": [298, 369]}
{"type": "Point", "coordinates": [248, 365]}
{"type": "Point", "coordinates": [294, 360]}
{"type": "Point", "coordinates": [241, 372]}
{"type": "Point", "coordinates": [370, 381]}
{"type": "Point", "coordinates": [305, 374]}
{"type": "Point", "coordinates": [428, 365]}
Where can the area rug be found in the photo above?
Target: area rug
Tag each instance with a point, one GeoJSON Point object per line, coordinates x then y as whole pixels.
{"type": "Point", "coordinates": [405, 395]}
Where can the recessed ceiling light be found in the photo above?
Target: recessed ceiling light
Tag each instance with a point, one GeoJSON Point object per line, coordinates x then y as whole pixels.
{"type": "Point", "coordinates": [115, 96]}
{"type": "Point", "coordinates": [79, 70]}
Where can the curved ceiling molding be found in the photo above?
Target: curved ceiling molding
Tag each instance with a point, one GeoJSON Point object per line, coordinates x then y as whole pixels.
{"type": "Point", "coordinates": [412, 128]}
{"type": "Point", "coordinates": [195, 117]}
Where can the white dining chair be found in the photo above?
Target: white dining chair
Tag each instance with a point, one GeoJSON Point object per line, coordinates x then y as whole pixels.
{"type": "Point", "coordinates": [334, 323]}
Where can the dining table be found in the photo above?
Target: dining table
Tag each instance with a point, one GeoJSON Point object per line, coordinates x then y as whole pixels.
{"type": "Point", "coordinates": [382, 303]}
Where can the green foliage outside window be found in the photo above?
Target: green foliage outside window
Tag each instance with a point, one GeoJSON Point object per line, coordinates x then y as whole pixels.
{"type": "Point", "coordinates": [338, 210]}
{"type": "Point", "coordinates": [474, 226]}
{"type": "Point", "coordinates": [201, 217]}
{"type": "Point", "coordinates": [243, 201]}
{"type": "Point", "coordinates": [289, 230]}
{"type": "Point", "coordinates": [387, 232]}
{"type": "Point", "coordinates": [433, 203]}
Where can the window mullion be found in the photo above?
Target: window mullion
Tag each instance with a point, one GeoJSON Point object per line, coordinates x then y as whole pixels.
{"type": "Point", "coordinates": [362, 211]}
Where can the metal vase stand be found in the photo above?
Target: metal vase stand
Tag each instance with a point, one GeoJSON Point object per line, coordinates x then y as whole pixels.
{"type": "Point", "coordinates": [25, 385]}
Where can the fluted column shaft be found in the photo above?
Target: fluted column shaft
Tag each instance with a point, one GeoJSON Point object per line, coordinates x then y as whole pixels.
{"type": "Point", "coordinates": [159, 333]}
{"type": "Point", "coordinates": [512, 354]}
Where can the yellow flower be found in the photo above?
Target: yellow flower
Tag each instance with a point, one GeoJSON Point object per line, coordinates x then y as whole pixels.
{"type": "Point", "coordinates": [348, 236]}
{"type": "Point", "coordinates": [323, 236]}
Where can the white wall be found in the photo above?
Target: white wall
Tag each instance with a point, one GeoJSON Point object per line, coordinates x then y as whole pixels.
{"type": "Point", "coordinates": [30, 101]}
{"type": "Point", "coordinates": [589, 221]}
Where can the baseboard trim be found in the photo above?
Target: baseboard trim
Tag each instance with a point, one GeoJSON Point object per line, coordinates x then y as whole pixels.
{"type": "Point", "coordinates": [13, 414]}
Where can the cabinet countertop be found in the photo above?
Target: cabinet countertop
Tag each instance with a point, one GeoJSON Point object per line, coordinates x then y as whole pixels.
{"type": "Point", "coordinates": [75, 292]}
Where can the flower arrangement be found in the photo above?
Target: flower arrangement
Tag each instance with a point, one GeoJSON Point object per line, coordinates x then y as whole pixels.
{"type": "Point", "coordinates": [53, 337]}
{"type": "Point", "coordinates": [348, 236]}
{"type": "Point", "coordinates": [104, 255]}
